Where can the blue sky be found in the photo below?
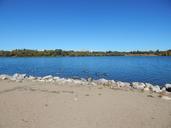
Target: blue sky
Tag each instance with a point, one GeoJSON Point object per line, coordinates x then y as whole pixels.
{"type": "Point", "coordinates": [121, 25]}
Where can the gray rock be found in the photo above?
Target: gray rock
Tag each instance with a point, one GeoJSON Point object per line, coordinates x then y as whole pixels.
{"type": "Point", "coordinates": [138, 85]}
{"type": "Point", "coordinates": [102, 81]}
{"type": "Point", "coordinates": [18, 77]}
{"type": "Point", "coordinates": [56, 78]}
{"type": "Point", "coordinates": [163, 89]}
{"type": "Point", "coordinates": [31, 78]}
{"type": "Point", "coordinates": [77, 81]}
{"type": "Point", "coordinates": [113, 82]}
{"type": "Point", "coordinates": [148, 85]}
{"type": "Point", "coordinates": [146, 89]}
{"type": "Point", "coordinates": [123, 84]}
{"type": "Point", "coordinates": [47, 77]}
{"type": "Point", "coordinates": [156, 89]}
{"type": "Point", "coordinates": [168, 87]}
{"type": "Point", "coordinates": [5, 77]}
{"type": "Point", "coordinates": [82, 79]}
{"type": "Point", "coordinates": [89, 79]}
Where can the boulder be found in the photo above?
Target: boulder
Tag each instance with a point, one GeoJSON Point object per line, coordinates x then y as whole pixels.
{"type": "Point", "coordinates": [138, 85]}
{"type": "Point", "coordinates": [89, 79]}
{"type": "Point", "coordinates": [77, 81]}
{"type": "Point", "coordinates": [148, 85]}
{"type": "Point", "coordinates": [156, 89]}
{"type": "Point", "coordinates": [47, 77]}
{"type": "Point", "coordinates": [5, 77]}
{"type": "Point", "coordinates": [31, 78]}
{"type": "Point", "coordinates": [18, 77]}
{"type": "Point", "coordinates": [92, 83]}
{"type": "Point", "coordinates": [146, 89]}
{"type": "Point", "coordinates": [123, 84]}
{"type": "Point", "coordinates": [56, 78]}
{"type": "Point", "coordinates": [163, 89]}
{"type": "Point", "coordinates": [168, 87]}
{"type": "Point", "coordinates": [102, 81]}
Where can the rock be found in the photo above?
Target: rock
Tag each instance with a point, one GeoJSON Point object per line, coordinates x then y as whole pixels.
{"type": "Point", "coordinates": [156, 89]}
{"type": "Point", "coordinates": [146, 89]}
{"type": "Point", "coordinates": [138, 85]}
{"type": "Point", "coordinates": [56, 78]}
{"type": "Point", "coordinates": [102, 81]}
{"type": "Point", "coordinates": [89, 79]}
{"type": "Point", "coordinates": [77, 82]}
{"type": "Point", "coordinates": [69, 80]}
{"type": "Point", "coordinates": [163, 89]}
{"type": "Point", "coordinates": [50, 80]}
{"type": "Point", "coordinates": [82, 79]}
{"type": "Point", "coordinates": [148, 85]}
{"type": "Point", "coordinates": [75, 77]}
{"type": "Point", "coordinates": [31, 78]}
{"type": "Point", "coordinates": [123, 84]}
{"type": "Point", "coordinates": [47, 77]}
{"type": "Point", "coordinates": [92, 83]}
{"type": "Point", "coordinates": [38, 78]}
{"type": "Point", "coordinates": [168, 87]}
{"type": "Point", "coordinates": [113, 82]}
{"type": "Point", "coordinates": [18, 77]}
{"type": "Point", "coordinates": [5, 77]}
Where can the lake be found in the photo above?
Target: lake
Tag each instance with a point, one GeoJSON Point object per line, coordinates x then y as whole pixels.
{"type": "Point", "coordinates": [155, 70]}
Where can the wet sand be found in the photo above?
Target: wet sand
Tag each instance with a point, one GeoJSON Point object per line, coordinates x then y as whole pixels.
{"type": "Point", "coordinates": [30, 104]}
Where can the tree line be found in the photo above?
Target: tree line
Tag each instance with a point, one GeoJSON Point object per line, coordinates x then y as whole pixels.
{"type": "Point", "coordinates": [60, 52]}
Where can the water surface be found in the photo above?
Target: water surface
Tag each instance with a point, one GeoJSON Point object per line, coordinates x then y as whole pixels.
{"type": "Point", "coordinates": [155, 70]}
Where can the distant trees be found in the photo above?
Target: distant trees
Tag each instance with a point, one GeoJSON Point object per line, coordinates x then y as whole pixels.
{"type": "Point", "coordinates": [60, 52]}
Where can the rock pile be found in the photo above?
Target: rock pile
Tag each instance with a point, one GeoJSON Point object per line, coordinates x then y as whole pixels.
{"type": "Point", "coordinates": [109, 83]}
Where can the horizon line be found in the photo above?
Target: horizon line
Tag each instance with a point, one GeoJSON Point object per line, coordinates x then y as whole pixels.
{"type": "Point", "coordinates": [84, 50]}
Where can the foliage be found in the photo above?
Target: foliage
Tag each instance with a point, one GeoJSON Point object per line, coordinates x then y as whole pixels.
{"type": "Point", "coordinates": [60, 52]}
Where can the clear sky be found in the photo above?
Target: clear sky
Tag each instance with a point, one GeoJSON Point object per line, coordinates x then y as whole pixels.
{"type": "Point", "coordinates": [121, 25]}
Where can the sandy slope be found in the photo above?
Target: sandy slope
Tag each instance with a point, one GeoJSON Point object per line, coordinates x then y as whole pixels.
{"type": "Point", "coordinates": [45, 105]}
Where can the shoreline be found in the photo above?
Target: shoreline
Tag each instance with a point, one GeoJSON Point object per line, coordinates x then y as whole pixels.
{"type": "Point", "coordinates": [90, 82]}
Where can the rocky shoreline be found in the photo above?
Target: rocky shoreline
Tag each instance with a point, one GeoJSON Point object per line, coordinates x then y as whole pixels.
{"type": "Point", "coordinates": [90, 82]}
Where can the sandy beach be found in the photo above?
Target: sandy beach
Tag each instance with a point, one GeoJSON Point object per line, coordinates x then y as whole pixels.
{"type": "Point", "coordinates": [29, 104]}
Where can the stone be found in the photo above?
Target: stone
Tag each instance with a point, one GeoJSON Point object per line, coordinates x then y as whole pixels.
{"type": "Point", "coordinates": [123, 84]}
{"type": "Point", "coordinates": [146, 89]}
{"type": "Point", "coordinates": [148, 85]}
{"type": "Point", "coordinates": [168, 87]}
{"type": "Point", "coordinates": [163, 89]}
{"type": "Point", "coordinates": [31, 78]}
{"type": "Point", "coordinates": [77, 82]}
{"type": "Point", "coordinates": [50, 80]}
{"type": "Point", "coordinates": [56, 78]}
{"type": "Point", "coordinates": [93, 84]}
{"type": "Point", "coordinates": [89, 79]}
{"type": "Point", "coordinates": [18, 77]}
{"type": "Point", "coordinates": [5, 77]}
{"type": "Point", "coordinates": [102, 81]}
{"type": "Point", "coordinates": [156, 89]}
{"type": "Point", "coordinates": [47, 77]}
{"type": "Point", "coordinates": [138, 85]}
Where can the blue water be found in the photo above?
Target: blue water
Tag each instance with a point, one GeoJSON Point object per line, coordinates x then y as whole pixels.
{"type": "Point", "coordinates": [155, 70]}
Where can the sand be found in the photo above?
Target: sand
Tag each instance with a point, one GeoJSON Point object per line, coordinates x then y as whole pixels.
{"type": "Point", "coordinates": [47, 105]}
